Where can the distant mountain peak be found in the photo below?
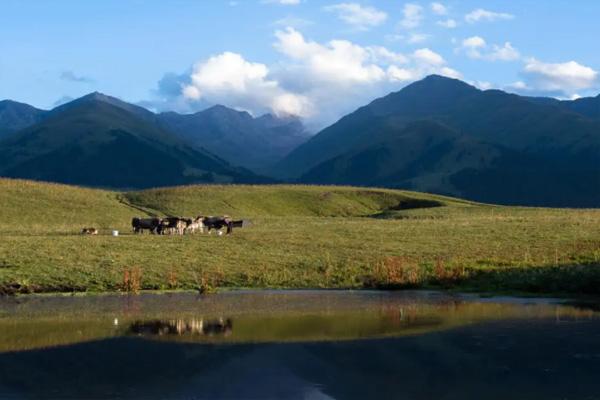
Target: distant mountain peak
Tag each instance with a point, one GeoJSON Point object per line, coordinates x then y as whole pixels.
{"type": "Point", "coordinates": [98, 97]}
{"type": "Point", "coordinates": [433, 82]}
{"type": "Point", "coordinates": [220, 109]}
{"type": "Point", "coordinates": [8, 102]}
{"type": "Point", "coordinates": [15, 116]}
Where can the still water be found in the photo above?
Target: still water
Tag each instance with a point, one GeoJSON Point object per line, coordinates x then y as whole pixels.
{"type": "Point", "coordinates": [299, 345]}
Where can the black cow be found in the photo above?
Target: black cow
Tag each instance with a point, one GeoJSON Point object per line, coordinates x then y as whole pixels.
{"type": "Point", "coordinates": [151, 224]}
{"type": "Point", "coordinates": [218, 222]}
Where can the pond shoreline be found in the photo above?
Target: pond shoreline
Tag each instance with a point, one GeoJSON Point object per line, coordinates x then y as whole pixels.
{"type": "Point", "coordinates": [465, 294]}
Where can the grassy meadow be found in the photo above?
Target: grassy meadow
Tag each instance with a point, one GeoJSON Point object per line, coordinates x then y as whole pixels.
{"type": "Point", "coordinates": [301, 237]}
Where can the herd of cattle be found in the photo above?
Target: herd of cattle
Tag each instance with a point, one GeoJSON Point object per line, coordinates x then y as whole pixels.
{"type": "Point", "coordinates": [178, 225]}
{"type": "Point", "coordinates": [181, 226]}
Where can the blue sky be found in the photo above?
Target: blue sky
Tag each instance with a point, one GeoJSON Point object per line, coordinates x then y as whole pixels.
{"type": "Point", "coordinates": [317, 59]}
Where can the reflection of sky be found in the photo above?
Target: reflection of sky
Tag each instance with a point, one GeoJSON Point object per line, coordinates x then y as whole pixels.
{"type": "Point", "coordinates": [534, 358]}
{"type": "Point", "coordinates": [258, 374]}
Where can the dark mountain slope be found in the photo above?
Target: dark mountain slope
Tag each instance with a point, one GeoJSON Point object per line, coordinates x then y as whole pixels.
{"type": "Point", "coordinates": [235, 136]}
{"type": "Point", "coordinates": [238, 137]}
{"type": "Point", "coordinates": [422, 154]}
{"type": "Point", "coordinates": [492, 116]}
{"type": "Point", "coordinates": [442, 135]}
{"type": "Point", "coordinates": [15, 116]}
{"type": "Point", "coordinates": [98, 143]}
{"type": "Point", "coordinates": [586, 106]}
{"type": "Point", "coordinates": [429, 157]}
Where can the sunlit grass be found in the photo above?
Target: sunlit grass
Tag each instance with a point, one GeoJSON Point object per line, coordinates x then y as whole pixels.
{"type": "Point", "coordinates": [302, 237]}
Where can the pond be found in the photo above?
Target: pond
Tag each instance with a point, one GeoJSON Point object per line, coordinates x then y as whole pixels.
{"type": "Point", "coordinates": [299, 345]}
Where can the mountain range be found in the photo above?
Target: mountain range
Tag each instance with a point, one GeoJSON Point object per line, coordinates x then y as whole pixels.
{"type": "Point", "coordinates": [236, 136]}
{"type": "Point", "coordinates": [99, 140]}
{"type": "Point", "coordinates": [442, 135]}
{"type": "Point", "coordinates": [438, 135]}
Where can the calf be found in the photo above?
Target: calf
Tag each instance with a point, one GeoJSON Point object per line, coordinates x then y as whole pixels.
{"type": "Point", "coordinates": [172, 226]}
{"type": "Point", "coordinates": [195, 225]}
{"type": "Point", "coordinates": [89, 231]}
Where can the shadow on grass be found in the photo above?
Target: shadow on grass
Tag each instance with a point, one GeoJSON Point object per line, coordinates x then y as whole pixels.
{"type": "Point", "coordinates": [404, 205]}
{"type": "Point", "coordinates": [567, 279]}
{"type": "Point", "coordinates": [582, 279]}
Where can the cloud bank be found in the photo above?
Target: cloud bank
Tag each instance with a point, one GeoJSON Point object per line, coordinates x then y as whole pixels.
{"type": "Point", "coordinates": [562, 79]}
{"type": "Point", "coordinates": [319, 82]}
{"type": "Point", "coordinates": [477, 48]}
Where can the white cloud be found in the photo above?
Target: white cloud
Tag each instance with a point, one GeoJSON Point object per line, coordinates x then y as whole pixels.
{"type": "Point", "coordinates": [484, 15]}
{"type": "Point", "coordinates": [477, 48]}
{"type": "Point", "coordinates": [400, 74]}
{"type": "Point", "coordinates": [338, 61]}
{"type": "Point", "coordinates": [411, 38]}
{"type": "Point", "coordinates": [382, 55]}
{"type": "Point", "coordinates": [519, 85]}
{"type": "Point", "coordinates": [415, 38]}
{"type": "Point", "coordinates": [340, 75]}
{"type": "Point", "coordinates": [229, 79]}
{"type": "Point", "coordinates": [283, 2]}
{"type": "Point", "coordinates": [449, 72]}
{"type": "Point", "coordinates": [474, 42]}
{"type": "Point", "coordinates": [566, 78]}
{"type": "Point", "coordinates": [505, 52]}
{"type": "Point", "coordinates": [429, 57]}
{"type": "Point", "coordinates": [439, 8]}
{"type": "Point", "coordinates": [483, 85]}
{"type": "Point", "coordinates": [360, 17]}
{"type": "Point", "coordinates": [317, 81]}
{"type": "Point", "coordinates": [448, 23]}
{"type": "Point", "coordinates": [294, 22]}
{"type": "Point", "coordinates": [71, 76]}
{"type": "Point", "coordinates": [413, 15]}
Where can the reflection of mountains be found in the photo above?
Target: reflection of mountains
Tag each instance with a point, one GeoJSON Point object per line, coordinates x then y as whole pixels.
{"type": "Point", "coordinates": [259, 317]}
{"type": "Point", "coordinates": [181, 327]}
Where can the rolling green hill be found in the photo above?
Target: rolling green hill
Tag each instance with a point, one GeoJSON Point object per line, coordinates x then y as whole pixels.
{"type": "Point", "coordinates": [281, 200]}
{"type": "Point", "coordinates": [301, 237]}
{"type": "Point", "coordinates": [56, 207]}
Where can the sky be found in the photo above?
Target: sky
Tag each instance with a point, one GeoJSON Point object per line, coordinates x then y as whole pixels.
{"type": "Point", "coordinates": [315, 59]}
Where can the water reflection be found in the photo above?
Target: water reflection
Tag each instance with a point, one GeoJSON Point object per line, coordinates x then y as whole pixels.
{"type": "Point", "coordinates": [304, 345]}
{"type": "Point", "coordinates": [182, 327]}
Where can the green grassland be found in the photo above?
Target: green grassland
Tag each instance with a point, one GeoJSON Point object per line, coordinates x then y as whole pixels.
{"type": "Point", "coordinates": [301, 237]}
